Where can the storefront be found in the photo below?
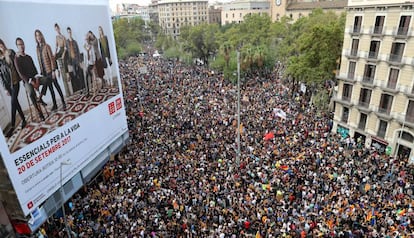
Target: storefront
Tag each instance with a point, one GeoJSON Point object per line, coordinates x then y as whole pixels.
{"type": "Point", "coordinates": [379, 144]}
{"type": "Point", "coordinates": [403, 151]}
{"type": "Point", "coordinates": [359, 138]}
{"type": "Point", "coordinates": [404, 144]}
{"type": "Point", "coordinates": [343, 131]}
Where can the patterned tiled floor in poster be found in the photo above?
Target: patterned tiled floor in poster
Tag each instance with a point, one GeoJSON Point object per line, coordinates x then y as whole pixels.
{"type": "Point", "coordinates": [76, 105]}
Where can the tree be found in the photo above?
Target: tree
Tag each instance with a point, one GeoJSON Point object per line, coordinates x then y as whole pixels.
{"type": "Point", "coordinates": [200, 40]}
{"type": "Point", "coordinates": [129, 36]}
{"type": "Point", "coordinates": [317, 46]}
{"type": "Point", "coordinates": [255, 30]}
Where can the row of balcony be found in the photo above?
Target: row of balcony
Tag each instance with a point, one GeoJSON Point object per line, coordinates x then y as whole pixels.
{"type": "Point", "coordinates": [374, 56]}
{"type": "Point", "coordinates": [383, 113]}
{"type": "Point", "coordinates": [398, 32]}
{"type": "Point", "coordinates": [386, 86]}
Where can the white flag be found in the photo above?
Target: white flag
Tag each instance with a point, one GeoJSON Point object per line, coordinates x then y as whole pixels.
{"type": "Point", "coordinates": [277, 112]}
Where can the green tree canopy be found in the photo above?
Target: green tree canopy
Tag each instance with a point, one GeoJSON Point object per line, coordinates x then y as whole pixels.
{"type": "Point", "coordinates": [129, 34]}
{"type": "Point", "coordinates": [309, 47]}
{"type": "Point", "coordinates": [317, 46]}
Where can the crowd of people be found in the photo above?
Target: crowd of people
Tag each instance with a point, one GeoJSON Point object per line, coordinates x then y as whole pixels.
{"type": "Point", "coordinates": [180, 175]}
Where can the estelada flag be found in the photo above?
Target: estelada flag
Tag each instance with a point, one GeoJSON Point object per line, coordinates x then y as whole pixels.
{"type": "Point", "coordinates": [284, 167]}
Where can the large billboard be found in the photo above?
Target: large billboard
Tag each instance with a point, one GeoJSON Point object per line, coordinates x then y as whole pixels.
{"type": "Point", "coordinates": [61, 97]}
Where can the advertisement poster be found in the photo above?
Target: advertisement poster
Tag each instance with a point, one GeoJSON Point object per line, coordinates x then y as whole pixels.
{"type": "Point", "coordinates": [60, 99]}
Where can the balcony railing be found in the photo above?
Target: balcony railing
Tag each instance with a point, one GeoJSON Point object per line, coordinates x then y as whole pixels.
{"type": "Point", "coordinates": [409, 118]}
{"type": "Point", "coordinates": [396, 58]}
{"type": "Point", "coordinates": [363, 104]}
{"type": "Point", "coordinates": [388, 86]}
{"type": "Point", "coordinates": [351, 76]}
{"type": "Point", "coordinates": [367, 80]}
{"type": "Point", "coordinates": [381, 133]}
{"type": "Point", "coordinates": [343, 100]}
{"type": "Point", "coordinates": [361, 125]}
{"type": "Point", "coordinates": [407, 90]}
{"type": "Point", "coordinates": [391, 85]}
{"type": "Point", "coordinates": [385, 111]}
{"type": "Point", "coordinates": [377, 30]}
{"type": "Point", "coordinates": [353, 53]}
{"type": "Point", "coordinates": [373, 55]}
{"type": "Point", "coordinates": [347, 77]}
{"type": "Point", "coordinates": [401, 31]}
{"type": "Point", "coordinates": [355, 29]}
{"type": "Point", "coordinates": [404, 119]}
{"type": "Point", "coordinates": [346, 98]}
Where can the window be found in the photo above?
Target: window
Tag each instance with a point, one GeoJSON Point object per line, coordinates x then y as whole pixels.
{"type": "Point", "coordinates": [382, 128]}
{"type": "Point", "coordinates": [345, 114]}
{"type": "Point", "coordinates": [351, 69]}
{"type": "Point", "coordinates": [354, 49]}
{"type": "Point", "coordinates": [369, 73]}
{"type": "Point", "coordinates": [357, 24]}
{"type": "Point", "coordinates": [392, 78]}
{"type": "Point", "coordinates": [410, 112]}
{"type": "Point", "coordinates": [347, 92]}
{"type": "Point", "coordinates": [397, 50]}
{"type": "Point", "coordinates": [240, 15]}
{"type": "Point", "coordinates": [364, 97]}
{"type": "Point", "coordinates": [404, 25]}
{"type": "Point", "coordinates": [374, 49]}
{"type": "Point", "coordinates": [379, 24]}
{"type": "Point", "coordinates": [362, 121]}
{"type": "Point", "coordinates": [385, 104]}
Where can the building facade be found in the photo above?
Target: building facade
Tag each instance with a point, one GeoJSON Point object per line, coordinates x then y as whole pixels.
{"type": "Point", "coordinates": [234, 12]}
{"type": "Point", "coordinates": [375, 96]}
{"type": "Point", "coordinates": [214, 15]}
{"type": "Point", "coordinates": [296, 9]}
{"type": "Point", "coordinates": [153, 13]}
{"type": "Point", "coordinates": [173, 14]}
{"type": "Point", "coordinates": [144, 13]}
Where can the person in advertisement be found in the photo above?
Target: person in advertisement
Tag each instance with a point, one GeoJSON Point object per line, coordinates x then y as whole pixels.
{"type": "Point", "coordinates": [61, 57]}
{"type": "Point", "coordinates": [11, 83]}
{"type": "Point", "coordinates": [99, 65]}
{"type": "Point", "coordinates": [74, 60]}
{"type": "Point", "coordinates": [27, 72]}
{"type": "Point", "coordinates": [47, 65]}
{"type": "Point", "coordinates": [90, 64]}
{"type": "Point", "coordinates": [106, 54]}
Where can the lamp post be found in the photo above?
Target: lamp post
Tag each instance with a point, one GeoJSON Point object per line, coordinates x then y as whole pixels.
{"type": "Point", "coordinates": [63, 203]}
{"type": "Point", "coordinates": [397, 150]}
{"type": "Point", "coordinates": [238, 109]}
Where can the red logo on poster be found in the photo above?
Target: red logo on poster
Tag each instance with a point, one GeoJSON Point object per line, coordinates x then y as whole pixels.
{"type": "Point", "coordinates": [30, 205]}
{"type": "Point", "coordinates": [111, 107]}
{"type": "Point", "coordinates": [118, 103]}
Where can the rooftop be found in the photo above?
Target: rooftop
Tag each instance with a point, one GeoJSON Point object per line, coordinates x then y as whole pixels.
{"type": "Point", "coordinates": [313, 5]}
